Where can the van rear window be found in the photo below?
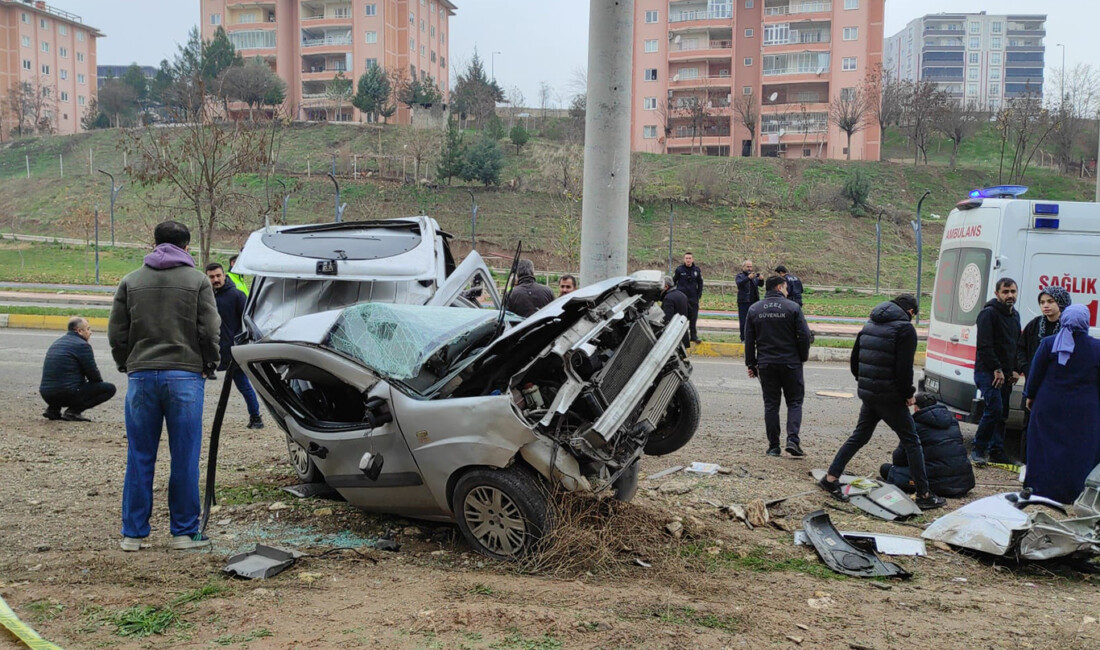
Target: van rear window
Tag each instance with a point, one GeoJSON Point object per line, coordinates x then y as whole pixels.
{"type": "Point", "coordinates": [962, 282]}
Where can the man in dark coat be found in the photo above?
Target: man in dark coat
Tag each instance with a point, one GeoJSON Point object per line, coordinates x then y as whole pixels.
{"type": "Point", "coordinates": [949, 471]}
{"type": "Point", "coordinates": [748, 292]}
{"type": "Point", "coordinates": [673, 302]}
{"type": "Point", "coordinates": [882, 363]}
{"type": "Point", "coordinates": [995, 370]}
{"type": "Point", "coordinates": [794, 285]}
{"type": "Point", "coordinates": [777, 343]}
{"type": "Point", "coordinates": [70, 376]}
{"type": "Point", "coordinates": [527, 296]}
{"type": "Point", "coordinates": [689, 279]}
{"type": "Point", "coordinates": [231, 302]}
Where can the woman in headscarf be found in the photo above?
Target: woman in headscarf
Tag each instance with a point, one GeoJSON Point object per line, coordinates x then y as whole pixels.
{"type": "Point", "coordinates": [1052, 302]}
{"type": "Point", "coordinates": [1063, 393]}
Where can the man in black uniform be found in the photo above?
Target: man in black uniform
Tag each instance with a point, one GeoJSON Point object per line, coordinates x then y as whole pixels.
{"type": "Point", "coordinates": [777, 343]}
{"type": "Point", "coordinates": [748, 292]}
{"type": "Point", "coordinates": [689, 279]}
{"type": "Point", "coordinates": [794, 285]}
{"type": "Point", "coordinates": [673, 302]}
{"type": "Point", "coordinates": [70, 376]}
{"type": "Point", "coordinates": [882, 363]}
{"type": "Point", "coordinates": [527, 296]}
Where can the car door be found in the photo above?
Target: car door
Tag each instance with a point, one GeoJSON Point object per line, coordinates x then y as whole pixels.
{"type": "Point", "coordinates": [337, 410]}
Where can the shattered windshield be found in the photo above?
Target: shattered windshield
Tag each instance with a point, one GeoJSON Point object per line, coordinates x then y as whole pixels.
{"type": "Point", "coordinates": [411, 344]}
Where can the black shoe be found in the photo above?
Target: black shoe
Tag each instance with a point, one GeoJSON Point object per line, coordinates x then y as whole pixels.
{"type": "Point", "coordinates": [884, 471]}
{"type": "Point", "coordinates": [696, 341]}
{"type": "Point", "coordinates": [1000, 457]}
{"type": "Point", "coordinates": [774, 451]}
{"type": "Point", "coordinates": [833, 488]}
{"type": "Point", "coordinates": [74, 416]}
{"type": "Point", "coordinates": [931, 502]}
{"type": "Point", "coordinates": [794, 450]}
{"type": "Point", "coordinates": [255, 422]}
{"type": "Point", "coordinates": [52, 414]}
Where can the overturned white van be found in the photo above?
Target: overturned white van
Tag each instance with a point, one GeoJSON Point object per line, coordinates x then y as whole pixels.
{"type": "Point", "coordinates": [991, 235]}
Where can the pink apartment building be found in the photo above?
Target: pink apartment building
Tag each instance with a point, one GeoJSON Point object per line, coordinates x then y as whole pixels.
{"type": "Point", "coordinates": [790, 58]}
{"type": "Point", "coordinates": [307, 42]}
{"type": "Point", "coordinates": [54, 51]}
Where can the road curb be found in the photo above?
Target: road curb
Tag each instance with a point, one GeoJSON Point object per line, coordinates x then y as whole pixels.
{"type": "Point", "coordinates": [38, 322]}
{"type": "Point", "coordinates": [737, 351]}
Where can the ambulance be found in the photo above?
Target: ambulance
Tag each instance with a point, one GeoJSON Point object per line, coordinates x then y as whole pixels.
{"type": "Point", "coordinates": [994, 234]}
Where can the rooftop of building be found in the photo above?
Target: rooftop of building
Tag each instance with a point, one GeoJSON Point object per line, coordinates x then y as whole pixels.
{"type": "Point", "coordinates": [40, 7]}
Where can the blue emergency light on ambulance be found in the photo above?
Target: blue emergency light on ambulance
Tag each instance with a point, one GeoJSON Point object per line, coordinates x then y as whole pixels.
{"type": "Point", "coordinates": [995, 234]}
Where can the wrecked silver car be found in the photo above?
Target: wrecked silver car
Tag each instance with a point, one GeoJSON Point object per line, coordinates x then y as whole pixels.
{"type": "Point", "coordinates": [451, 413]}
{"type": "Point", "coordinates": [999, 525]}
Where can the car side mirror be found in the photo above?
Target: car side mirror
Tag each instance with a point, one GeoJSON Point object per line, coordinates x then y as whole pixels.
{"type": "Point", "coordinates": [377, 413]}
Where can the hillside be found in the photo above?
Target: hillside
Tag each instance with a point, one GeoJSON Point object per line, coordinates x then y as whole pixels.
{"type": "Point", "coordinates": [775, 211]}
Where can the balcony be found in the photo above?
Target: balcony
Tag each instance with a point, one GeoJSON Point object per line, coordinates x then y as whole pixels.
{"type": "Point", "coordinates": [783, 8]}
{"type": "Point", "coordinates": [251, 13]}
{"type": "Point", "coordinates": [943, 30]}
{"type": "Point", "coordinates": [700, 81]}
{"type": "Point", "coordinates": [254, 39]}
{"type": "Point", "coordinates": [312, 11]}
{"type": "Point", "coordinates": [812, 64]}
{"type": "Point", "coordinates": [325, 38]}
{"type": "Point", "coordinates": [711, 49]}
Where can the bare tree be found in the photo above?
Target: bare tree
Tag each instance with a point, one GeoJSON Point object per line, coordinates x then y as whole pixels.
{"type": "Point", "coordinates": [545, 97]}
{"type": "Point", "coordinates": [923, 104]}
{"type": "Point", "coordinates": [959, 122]}
{"type": "Point", "coordinates": [1075, 109]}
{"type": "Point", "coordinates": [423, 145]}
{"type": "Point", "coordinates": [849, 111]}
{"type": "Point", "coordinates": [515, 100]}
{"type": "Point", "coordinates": [562, 167]}
{"type": "Point", "coordinates": [338, 93]}
{"type": "Point", "coordinates": [748, 111]}
{"type": "Point", "coordinates": [885, 98]}
{"type": "Point", "coordinates": [1026, 125]}
{"type": "Point", "coordinates": [19, 102]}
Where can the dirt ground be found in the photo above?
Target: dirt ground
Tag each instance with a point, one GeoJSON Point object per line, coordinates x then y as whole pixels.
{"type": "Point", "coordinates": [719, 586]}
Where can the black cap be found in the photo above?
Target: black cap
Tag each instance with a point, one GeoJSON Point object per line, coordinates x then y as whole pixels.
{"type": "Point", "coordinates": [780, 269]}
{"type": "Point", "coordinates": [907, 302]}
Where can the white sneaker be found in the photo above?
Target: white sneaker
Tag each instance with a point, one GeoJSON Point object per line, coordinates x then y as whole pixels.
{"type": "Point", "coordinates": [131, 543]}
{"type": "Point", "coordinates": [188, 542]}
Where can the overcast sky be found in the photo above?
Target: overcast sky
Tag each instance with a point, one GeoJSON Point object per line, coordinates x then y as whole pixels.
{"type": "Point", "coordinates": [540, 40]}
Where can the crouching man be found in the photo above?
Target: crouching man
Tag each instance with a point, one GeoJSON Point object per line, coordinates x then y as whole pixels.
{"type": "Point", "coordinates": [70, 377]}
{"type": "Point", "coordinates": [949, 471]}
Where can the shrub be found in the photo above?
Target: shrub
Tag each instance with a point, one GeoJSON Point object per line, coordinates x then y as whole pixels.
{"type": "Point", "coordinates": [856, 189]}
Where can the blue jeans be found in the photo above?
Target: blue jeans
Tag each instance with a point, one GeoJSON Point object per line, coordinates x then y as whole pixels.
{"type": "Point", "coordinates": [155, 398]}
{"type": "Point", "coordinates": [990, 437]}
{"type": "Point", "coordinates": [240, 380]}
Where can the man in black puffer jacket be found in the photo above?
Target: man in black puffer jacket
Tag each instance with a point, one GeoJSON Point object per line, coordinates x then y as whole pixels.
{"type": "Point", "coordinates": [949, 471]}
{"type": "Point", "coordinates": [882, 362]}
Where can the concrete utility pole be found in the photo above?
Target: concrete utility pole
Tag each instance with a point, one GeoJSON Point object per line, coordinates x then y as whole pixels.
{"type": "Point", "coordinates": [607, 141]}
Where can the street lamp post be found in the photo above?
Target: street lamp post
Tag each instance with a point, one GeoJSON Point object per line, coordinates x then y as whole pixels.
{"type": "Point", "coordinates": [473, 221]}
{"type": "Point", "coordinates": [115, 189]}
{"type": "Point", "coordinates": [671, 213]}
{"type": "Point", "coordinates": [286, 197]}
{"type": "Point", "coordinates": [339, 207]}
{"type": "Point", "coordinates": [920, 248]}
{"type": "Point", "coordinates": [1062, 82]}
{"type": "Point", "coordinates": [96, 245]}
{"type": "Point", "coordinates": [493, 63]}
{"type": "Point", "coordinates": [878, 250]}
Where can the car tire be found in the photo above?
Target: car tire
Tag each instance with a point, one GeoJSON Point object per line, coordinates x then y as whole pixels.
{"type": "Point", "coordinates": [502, 513]}
{"type": "Point", "coordinates": [679, 424]}
{"type": "Point", "coordinates": [303, 465]}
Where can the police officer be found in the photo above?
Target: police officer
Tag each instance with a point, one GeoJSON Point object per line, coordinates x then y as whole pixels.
{"type": "Point", "coordinates": [689, 279]}
{"type": "Point", "coordinates": [748, 292]}
{"type": "Point", "coordinates": [777, 343]}
{"type": "Point", "coordinates": [794, 285]}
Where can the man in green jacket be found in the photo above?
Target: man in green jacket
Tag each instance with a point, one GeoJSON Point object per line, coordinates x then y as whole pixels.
{"type": "Point", "coordinates": [163, 333]}
{"type": "Point", "coordinates": [235, 278]}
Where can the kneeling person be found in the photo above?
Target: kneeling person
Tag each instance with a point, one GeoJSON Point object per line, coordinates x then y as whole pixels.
{"type": "Point", "coordinates": [949, 471]}
{"type": "Point", "coordinates": [70, 377]}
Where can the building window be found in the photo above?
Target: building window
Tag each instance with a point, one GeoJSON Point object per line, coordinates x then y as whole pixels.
{"type": "Point", "coordinates": [443, 62]}
{"type": "Point", "coordinates": [412, 19]}
{"type": "Point", "coordinates": [847, 93]}
{"type": "Point", "coordinates": [851, 33]}
{"type": "Point", "coordinates": [994, 104]}
{"type": "Point", "coordinates": [748, 61]}
{"type": "Point", "coordinates": [806, 152]}
{"type": "Point", "coordinates": [975, 27]}
{"type": "Point", "coordinates": [80, 36]}
{"type": "Point", "coordinates": [215, 19]}
{"type": "Point", "coordinates": [63, 52]}
{"type": "Point", "coordinates": [995, 58]}
{"type": "Point", "coordinates": [45, 69]}
{"type": "Point", "coordinates": [746, 90]}
{"type": "Point", "coordinates": [651, 45]}
{"type": "Point", "coordinates": [997, 27]}
{"type": "Point", "coordinates": [994, 89]}
{"type": "Point", "coordinates": [80, 57]}
{"type": "Point", "coordinates": [422, 51]}
{"type": "Point", "coordinates": [748, 4]}
{"type": "Point", "coordinates": [24, 18]}
{"type": "Point", "coordinates": [80, 99]}
{"type": "Point", "coordinates": [442, 38]}
{"type": "Point", "coordinates": [372, 10]}
{"type": "Point", "coordinates": [412, 71]}
{"type": "Point", "coordinates": [851, 4]}
{"type": "Point", "coordinates": [64, 96]}
{"type": "Point", "coordinates": [651, 74]}
{"type": "Point", "coordinates": [432, 32]}
{"type": "Point", "coordinates": [649, 103]}
{"type": "Point", "coordinates": [341, 12]}
{"type": "Point", "coordinates": [651, 16]}
{"type": "Point", "coordinates": [973, 58]}
{"type": "Point", "coordinates": [63, 73]}
{"type": "Point", "coordinates": [43, 24]}
{"type": "Point", "coordinates": [972, 73]}
{"type": "Point", "coordinates": [370, 63]}
{"type": "Point", "coordinates": [975, 42]}
{"type": "Point", "coordinates": [971, 89]}
{"type": "Point", "coordinates": [26, 41]}
{"type": "Point", "coordinates": [649, 131]}
{"type": "Point", "coordinates": [45, 46]}
{"type": "Point", "coordinates": [63, 30]}
{"type": "Point", "coordinates": [995, 73]}
{"type": "Point", "coordinates": [748, 33]}
{"type": "Point", "coordinates": [372, 37]}
{"type": "Point", "coordinates": [848, 63]}
{"type": "Point", "coordinates": [995, 43]}
{"type": "Point", "coordinates": [412, 44]}
{"type": "Point", "coordinates": [81, 79]}
{"type": "Point", "coordinates": [26, 64]}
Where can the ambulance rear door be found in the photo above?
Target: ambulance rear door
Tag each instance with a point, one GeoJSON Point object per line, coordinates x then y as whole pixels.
{"type": "Point", "coordinates": [1063, 249]}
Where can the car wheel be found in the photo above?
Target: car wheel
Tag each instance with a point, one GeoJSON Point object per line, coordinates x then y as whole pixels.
{"type": "Point", "coordinates": [503, 513]}
{"type": "Point", "coordinates": [679, 424]}
{"type": "Point", "coordinates": [303, 465]}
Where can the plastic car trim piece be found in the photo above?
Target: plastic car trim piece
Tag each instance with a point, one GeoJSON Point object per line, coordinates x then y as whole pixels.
{"type": "Point", "coordinates": [395, 479]}
{"type": "Point", "coordinates": [840, 556]}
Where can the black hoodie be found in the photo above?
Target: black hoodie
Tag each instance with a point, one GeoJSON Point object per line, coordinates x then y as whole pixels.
{"type": "Point", "coordinates": [949, 471]}
{"type": "Point", "coordinates": [998, 335]}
